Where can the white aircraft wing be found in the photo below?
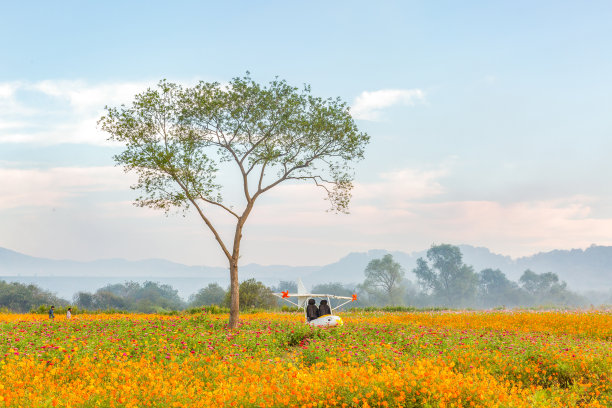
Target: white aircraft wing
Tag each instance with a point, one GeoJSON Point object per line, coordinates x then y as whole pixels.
{"type": "Point", "coordinates": [310, 295]}
{"type": "Point", "coordinates": [303, 296]}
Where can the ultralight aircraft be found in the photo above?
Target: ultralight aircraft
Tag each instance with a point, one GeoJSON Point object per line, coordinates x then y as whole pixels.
{"type": "Point", "coordinates": [329, 320]}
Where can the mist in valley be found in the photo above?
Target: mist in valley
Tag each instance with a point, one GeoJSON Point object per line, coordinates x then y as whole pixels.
{"type": "Point", "coordinates": [441, 277]}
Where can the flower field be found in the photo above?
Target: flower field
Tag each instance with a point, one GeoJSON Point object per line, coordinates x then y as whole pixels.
{"type": "Point", "coordinates": [434, 359]}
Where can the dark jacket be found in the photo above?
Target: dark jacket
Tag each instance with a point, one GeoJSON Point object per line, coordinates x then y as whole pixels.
{"type": "Point", "coordinates": [312, 311]}
{"type": "Point", "coordinates": [324, 308]}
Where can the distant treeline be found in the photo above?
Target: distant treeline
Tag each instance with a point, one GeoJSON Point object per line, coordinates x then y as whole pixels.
{"type": "Point", "coordinates": [442, 280]}
{"type": "Point", "coordinates": [21, 298]}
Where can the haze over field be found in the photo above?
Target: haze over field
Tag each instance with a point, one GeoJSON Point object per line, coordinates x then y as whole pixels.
{"type": "Point", "coordinates": [586, 270]}
{"type": "Point", "coordinates": [490, 125]}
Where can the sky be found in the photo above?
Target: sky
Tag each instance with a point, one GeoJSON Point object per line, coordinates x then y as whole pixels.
{"type": "Point", "coordinates": [490, 123]}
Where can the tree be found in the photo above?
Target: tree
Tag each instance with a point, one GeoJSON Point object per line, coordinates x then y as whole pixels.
{"type": "Point", "coordinates": [448, 278]}
{"type": "Point", "coordinates": [384, 276]}
{"type": "Point", "coordinates": [109, 300]}
{"type": "Point", "coordinates": [495, 289]}
{"type": "Point", "coordinates": [148, 297]}
{"type": "Point", "coordinates": [84, 300]}
{"type": "Point", "coordinates": [336, 288]}
{"type": "Point", "coordinates": [333, 288]}
{"type": "Point", "coordinates": [538, 284]}
{"type": "Point", "coordinates": [177, 138]}
{"type": "Point", "coordinates": [19, 297]}
{"type": "Point", "coordinates": [213, 294]}
{"type": "Point", "coordinates": [153, 296]}
{"type": "Point", "coordinates": [290, 286]}
{"type": "Point", "coordinates": [254, 294]}
{"type": "Point", "coordinates": [546, 288]}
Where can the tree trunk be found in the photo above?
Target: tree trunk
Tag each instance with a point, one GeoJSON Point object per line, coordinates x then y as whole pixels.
{"type": "Point", "coordinates": [234, 294]}
{"type": "Point", "coordinates": [234, 285]}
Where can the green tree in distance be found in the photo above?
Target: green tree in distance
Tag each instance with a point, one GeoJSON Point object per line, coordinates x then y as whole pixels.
{"type": "Point", "coordinates": [213, 294]}
{"type": "Point", "coordinates": [383, 279]}
{"type": "Point", "coordinates": [448, 278]}
{"type": "Point", "coordinates": [19, 297]}
{"type": "Point", "coordinates": [176, 139]}
{"type": "Point", "coordinates": [546, 288]}
{"type": "Point", "coordinates": [336, 288]}
{"type": "Point", "coordinates": [539, 284]}
{"type": "Point", "coordinates": [333, 288]}
{"type": "Point", "coordinates": [147, 297]}
{"type": "Point", "coordinates": [254, 294]}
{"type": "Point", "coordinates": [291, 286]}
{"type": "Point", "coordinates": [496, 289]}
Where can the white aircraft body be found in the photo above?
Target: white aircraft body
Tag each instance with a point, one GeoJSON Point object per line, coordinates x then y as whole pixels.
{"type": "Point", "coordinates": [329, 320]}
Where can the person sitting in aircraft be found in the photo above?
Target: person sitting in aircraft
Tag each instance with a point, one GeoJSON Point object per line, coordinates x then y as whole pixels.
{"type": "Point", "coordinates": [324, 308]}
{"type": "Point", "coordinates": [312, 311]}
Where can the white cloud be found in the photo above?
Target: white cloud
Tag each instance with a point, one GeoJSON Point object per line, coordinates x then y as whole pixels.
{"type": "Point", "coordinates": [62, 111]}
{"type": "Point", "coordinates": [85, 97]}
{"type": "Point", "coordinates": [393, 193]}
{"type": "Point", "coordinates": [519, 228]}
{"type": "Point", "coordinates": [12, 125]}
{"type": "Point", "coordinates": [402, 185]}
{"type": "Point", "coordinates": [368, 105]}
{"type": "Point", "coordinates": [56, 186]}
{"type": "Point", "coordinates": [406, 210]}
{"type": "Point", "coordinates": [58, 111]}
{"type": "Point", "coordinates": [7, 89]}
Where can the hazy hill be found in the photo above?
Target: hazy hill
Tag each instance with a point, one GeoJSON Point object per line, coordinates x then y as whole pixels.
{"type": "Point", "coordinates": [581, 269]}
{"type": "Point", "coordinates": [589, 269]}
{"type": "Point", "coordinates": [66, 277]}
{"type": "Point", "coordinates": [350, 268]}
{"type": "Point", "coordinates": [13, 264]}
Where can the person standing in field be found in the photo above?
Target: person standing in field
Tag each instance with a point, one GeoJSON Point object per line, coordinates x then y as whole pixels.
{"type": "Point", "coordinates": [51, 314]}
{"type": "Point", "coordinates": [69, 313]}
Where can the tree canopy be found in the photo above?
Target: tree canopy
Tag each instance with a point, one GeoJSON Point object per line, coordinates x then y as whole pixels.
{"type": "Point", "coordinates": [494, 288]}
{"type": "Point", "coordinates": [176, 139]}
{"type": "Point", "coordinates": [19, 297]}
{"type": "Point", "coordinates": [383, 279]}
{"type": "Point", "coordinates": [448, 278]}
{"type": "Point", "coordinates": [213, 294]}
{"type": "Point", "coordinates": [147, 297]}
{"type": "Point", "coordinates": [254, 294]}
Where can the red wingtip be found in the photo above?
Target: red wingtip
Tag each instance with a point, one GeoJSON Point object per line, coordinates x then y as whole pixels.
{"type": "Point", "coordinates": [354, 298]}
{"type": "Point", "coordinates": [285, 294]}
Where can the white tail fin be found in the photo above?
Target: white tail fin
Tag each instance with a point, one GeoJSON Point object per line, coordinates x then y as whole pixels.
{"type": "Point", "coordinates": [300, 286]}
{"type": "Point", "coordinates": [301, 289]}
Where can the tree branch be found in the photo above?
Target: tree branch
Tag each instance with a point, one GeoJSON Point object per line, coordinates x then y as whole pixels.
{"type": "Point", "coordinates": [219, 205]}
{"type": "Point", "coordinates": [206, 220]}
{"type": "Point", "coordinates": [261, 175]}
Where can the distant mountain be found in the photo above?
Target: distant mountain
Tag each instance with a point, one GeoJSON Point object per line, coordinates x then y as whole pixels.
{"type": "Point", "coordinates": [350, 269]}
{"type": "Point", "coordinates": [586, 269]}
{"type": "Point", "coordinates": [272, 274]}
{"type": "Point", "coordinates": [581, 269]}
{"type": "Point", "coordinates": [14, 264]}
{"type": "Point", "coordinates": [589, 269]}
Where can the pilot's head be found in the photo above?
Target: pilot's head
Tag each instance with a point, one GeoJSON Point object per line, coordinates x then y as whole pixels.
{"type": "Point", "coordinates": [311, 301]}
